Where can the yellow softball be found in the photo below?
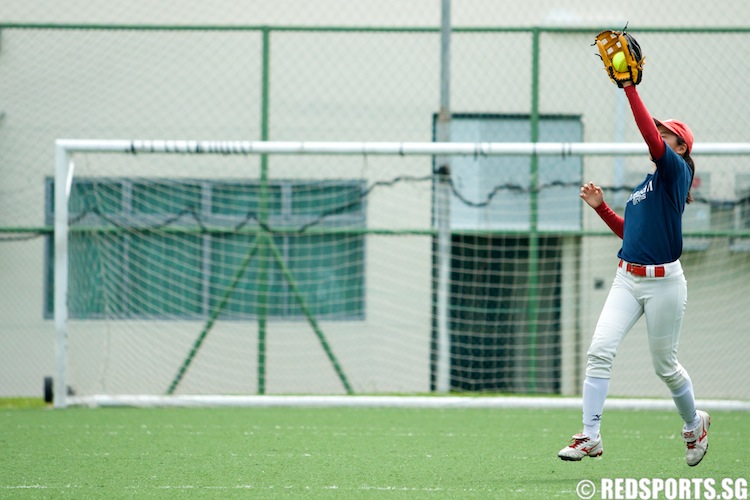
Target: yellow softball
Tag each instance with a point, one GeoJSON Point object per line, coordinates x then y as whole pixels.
{"type": "Point", "coordinates": [619, 62]}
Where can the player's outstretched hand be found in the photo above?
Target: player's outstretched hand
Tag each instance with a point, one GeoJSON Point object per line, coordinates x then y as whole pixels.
{"type": "Point", "coordinates": [592, 194]}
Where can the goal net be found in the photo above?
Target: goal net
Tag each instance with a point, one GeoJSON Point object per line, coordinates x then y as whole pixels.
{"type": "Point", "coordinates": [225, 269]}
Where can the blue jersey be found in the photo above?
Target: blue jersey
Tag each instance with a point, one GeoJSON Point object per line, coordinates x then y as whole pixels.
{"type": "Point", "coordinates": [652, 231]}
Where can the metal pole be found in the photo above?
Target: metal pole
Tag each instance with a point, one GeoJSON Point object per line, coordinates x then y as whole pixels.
{"type": "Point", "coordinates": [533, 309]}
{"type": "Point", "coordinates": [442, 200]}
{"type": "Point", "coordinates": [63, 174]}
{"type": "Point", "coordinates": [263, 289]}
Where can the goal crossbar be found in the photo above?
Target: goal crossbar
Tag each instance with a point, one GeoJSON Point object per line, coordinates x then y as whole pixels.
{"type": "Point", "coordinates": [382, 148]}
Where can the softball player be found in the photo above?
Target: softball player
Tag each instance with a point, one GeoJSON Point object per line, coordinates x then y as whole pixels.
{"type": "Point", "coordinates": [649, 281]}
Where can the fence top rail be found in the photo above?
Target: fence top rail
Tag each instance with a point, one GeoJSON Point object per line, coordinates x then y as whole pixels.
{"type": "Point", "coordinates": [383, 148]}
{"type": "Point", "coordinates": [551, 28]}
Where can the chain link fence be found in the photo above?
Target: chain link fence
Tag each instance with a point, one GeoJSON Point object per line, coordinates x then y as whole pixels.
{"type": "Point", "coordinates": [369, 71]}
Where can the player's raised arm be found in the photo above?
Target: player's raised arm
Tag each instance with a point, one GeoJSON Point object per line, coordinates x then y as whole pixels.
{"type": "Point", "coordinates": [645, 122]}
{"type": "Point", "coordinates": [623, 61]}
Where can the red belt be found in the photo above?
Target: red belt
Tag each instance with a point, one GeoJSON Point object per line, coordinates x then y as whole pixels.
{"type": "Point", "coordinates": [638, 270]}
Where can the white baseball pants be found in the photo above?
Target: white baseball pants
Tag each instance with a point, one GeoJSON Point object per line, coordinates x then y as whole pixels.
{"type": "Point", "coordinates": [663, 301]}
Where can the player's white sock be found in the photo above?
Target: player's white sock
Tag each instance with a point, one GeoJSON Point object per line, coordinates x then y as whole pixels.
{"type": "Point", "coordinates": [594, 393]}
{"type": "Point", "coordinates": [684, 399]}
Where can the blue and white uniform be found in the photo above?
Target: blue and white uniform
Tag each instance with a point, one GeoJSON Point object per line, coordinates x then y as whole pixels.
{"type": "Point", "coordinates": [653, 213]}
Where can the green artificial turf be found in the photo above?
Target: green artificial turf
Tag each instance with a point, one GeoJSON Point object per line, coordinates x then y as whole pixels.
{"type": "Point", "coordinates": [341, 452]}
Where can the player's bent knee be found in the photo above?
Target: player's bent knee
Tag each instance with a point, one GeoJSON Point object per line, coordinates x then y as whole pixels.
{"type": "Point", "coordinates": [673, 379]}
{"type": "Point", "coordinates": [599, 365]}
{"type": "Point", "coordinates": [600, 354]}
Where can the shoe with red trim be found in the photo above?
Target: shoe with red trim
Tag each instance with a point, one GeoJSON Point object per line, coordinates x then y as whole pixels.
{"type": "Point", "coordinates": [580, 447]}
{"type": "Point", "coordinates": [697, 440]}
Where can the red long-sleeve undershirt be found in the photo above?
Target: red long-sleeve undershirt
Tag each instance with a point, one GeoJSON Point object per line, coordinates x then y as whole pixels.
{"type": "Point", "coordinates": [645, 123]}
{"type": "Point", "coordinates": [656, 147]}
{"type": "Point", "coordinates": [614, 221]}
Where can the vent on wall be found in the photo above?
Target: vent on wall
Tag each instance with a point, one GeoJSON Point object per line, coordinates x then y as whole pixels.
{"type": "Point", "coordinates": [741, 212]}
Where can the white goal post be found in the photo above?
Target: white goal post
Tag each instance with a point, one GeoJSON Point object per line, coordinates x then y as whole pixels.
{"type": "Point", "coordinates": [65, 171]}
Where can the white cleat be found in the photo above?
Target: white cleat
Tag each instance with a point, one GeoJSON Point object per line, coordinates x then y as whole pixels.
{"type": "Point", "coordinates": [582, 446]}
{"type": "Point", "coordinates": [697, 440]}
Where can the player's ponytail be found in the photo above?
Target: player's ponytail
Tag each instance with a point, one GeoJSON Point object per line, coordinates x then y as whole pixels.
{"type": "Point", "coordinates": [691, 164]}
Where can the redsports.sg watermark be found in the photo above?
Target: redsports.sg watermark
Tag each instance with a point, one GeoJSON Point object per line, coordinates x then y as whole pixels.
{"type": "Point", "coordinates": [626, 488]}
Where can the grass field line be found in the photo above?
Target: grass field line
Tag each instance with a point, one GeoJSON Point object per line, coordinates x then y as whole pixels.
{"type": "Point", "coordinates": [440, 402]}
{"type": "Point", "coordinates": [365, 487]}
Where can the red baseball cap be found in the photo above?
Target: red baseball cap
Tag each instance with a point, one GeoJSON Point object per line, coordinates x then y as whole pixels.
{"type": "Point", "coordinates": [680, 129]}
